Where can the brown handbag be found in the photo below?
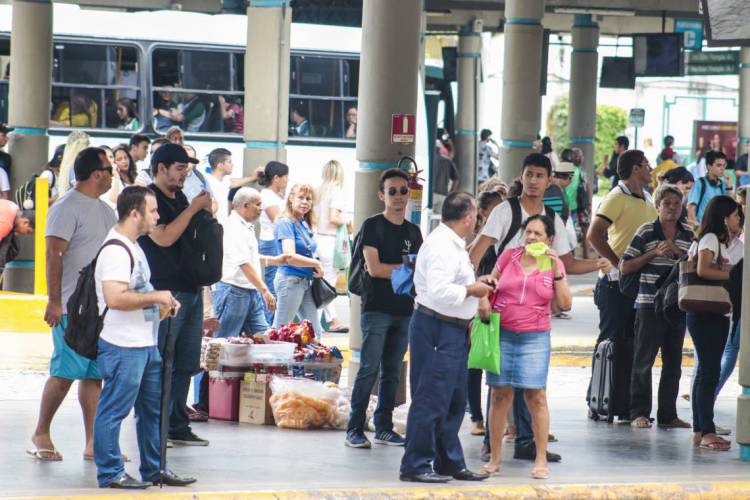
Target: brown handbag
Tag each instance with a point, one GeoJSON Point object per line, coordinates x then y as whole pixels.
{"type": "Point", "coordinates": [701, 296]}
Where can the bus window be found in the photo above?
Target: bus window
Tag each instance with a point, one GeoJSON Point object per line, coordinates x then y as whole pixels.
{"type": "Point", "coordinates": [325, 118]}
{"type": "Point", "coordinates": [350, 71]}
{"type": "Point", "coordinates": [95, 86]}
{"type": "Point", "coordinates": [4, 76]}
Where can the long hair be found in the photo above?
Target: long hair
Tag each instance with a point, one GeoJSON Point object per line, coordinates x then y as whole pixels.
{"type": "Point", "coordinates": [77, 142]}
{"type": "Point", "coordinates": [132, 171]}
{"type": "Point", "coordinates": [130, 107]}
{"type": "Point", "coordinates": [333, 177]}
{"type": "Point", "coordinates": [718, 209]}
{"type": "Point", "coordinates": [297, 189]}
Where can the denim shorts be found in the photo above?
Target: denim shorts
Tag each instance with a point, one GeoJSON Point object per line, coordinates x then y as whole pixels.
{"type": "Point", "coordinates": [65, 362]}
{"type": "Point", "coordinates": [524, 360]}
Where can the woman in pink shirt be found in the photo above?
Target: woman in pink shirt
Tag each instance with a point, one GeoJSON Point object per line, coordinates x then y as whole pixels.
{"type": "Point", "coordinates": [523, 298]}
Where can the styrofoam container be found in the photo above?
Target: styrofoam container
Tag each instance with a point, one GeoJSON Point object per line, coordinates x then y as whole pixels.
{"type": "Point", "coordinates": [235, 355]}
{"type": "Point", "coordinates": [277, 352]}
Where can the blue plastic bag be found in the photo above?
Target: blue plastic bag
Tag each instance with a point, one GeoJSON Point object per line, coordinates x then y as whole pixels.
{"type": "Point", "coordinates": [402, 278]}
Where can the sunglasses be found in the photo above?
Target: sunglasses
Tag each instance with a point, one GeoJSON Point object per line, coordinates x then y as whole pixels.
{"type": "Point", "coordinates": [106, 169]}
{"type": "Point", "coordinates": [392, 191]}
{"type": "Point", "coordinates": [563, 176]}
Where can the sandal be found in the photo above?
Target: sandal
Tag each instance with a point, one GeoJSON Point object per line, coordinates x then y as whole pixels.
{"type": "Point", "coordinates": [676, 424]}
{"type": "Point", "coordinates": [491, 469]}
{"type": "Point", "coordinates": [45, 455]}
{"type": "Point", "coordinates": [641, 423]}
{"type": "Point", "coordinates": [717, 444]}
{"type": "Point", "coordinates": [339, 329]}
{"type": "Point", "coordinates": [540, 473]}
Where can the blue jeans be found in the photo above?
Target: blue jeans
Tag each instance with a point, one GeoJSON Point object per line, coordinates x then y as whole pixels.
{"type": "Point", "coordinates": [438, 374]}
{"type": "Point", "coordinates": [239, 310]}
{"type": "Point", "coordinates": [729, 358]}
{"type": "Point", "coordinates": [294, 298]}
{"type": "Point", "coordinates": [268, 248]}
{"type": "Point", "coordinates": [187, 330]}
{"type": "Point", "coordinates": [132, 378]}
{"type": "Point", "coordinates": [384, 341]}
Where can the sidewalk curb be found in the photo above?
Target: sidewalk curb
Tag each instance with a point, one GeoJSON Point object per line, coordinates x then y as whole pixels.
{"type": "Point", "coordinates": [673, 491]}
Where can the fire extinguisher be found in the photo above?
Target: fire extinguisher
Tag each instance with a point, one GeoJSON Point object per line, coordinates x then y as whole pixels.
{"type": "Point", "coordinates": [414, 205]}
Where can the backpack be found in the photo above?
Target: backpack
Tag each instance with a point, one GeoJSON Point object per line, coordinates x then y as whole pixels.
{"type": "Point", "coordinates": [358, 277]}
{"type": "Point", "coordinates": [84, 321]}
{"type": "Point", "coordinates": [202, 249]}
{"type": "Point", "coordinates": [702, 181]}
{"type": "Point", "coordinates": [667, 296]}
{"type": "Point", "coordinates": [489, 259]}
{"type": "Point", "coordinates": [28, 190]}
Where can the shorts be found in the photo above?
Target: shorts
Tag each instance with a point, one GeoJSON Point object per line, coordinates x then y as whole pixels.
{"type": "Point", "coordinates": [524, 360]}
{"type": "Point", "coordinates": [65, 362]}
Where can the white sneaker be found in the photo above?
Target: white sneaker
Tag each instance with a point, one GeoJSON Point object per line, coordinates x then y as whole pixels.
{"type": "Point", "coordinates": [721, 431]}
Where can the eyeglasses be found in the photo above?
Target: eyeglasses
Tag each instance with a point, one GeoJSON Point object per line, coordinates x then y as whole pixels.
{"type": "Point", "coordinates": [562, 176]}
{"type": "Point", "coordinates": [106, 169]}
{"type": "Point", "coordinates": [404, 191]}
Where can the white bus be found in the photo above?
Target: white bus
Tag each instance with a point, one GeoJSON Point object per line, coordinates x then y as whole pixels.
{"type": "Point", "coordinates": [105, 60]}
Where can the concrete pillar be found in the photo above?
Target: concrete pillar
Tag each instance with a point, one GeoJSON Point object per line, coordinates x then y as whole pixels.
{"type": "Point", "coordinates": [743, 401]}
{"type": "Point", "coordinates": [582, 103]}
{"type": "Point", "coordinates": [30, 87]}
{"type": "Point", "coordinates": [388, 82]}
{"type": "Point", "coordinates": [469, 76]}
{"type": "Point", "coordinates": [266, 82]}
{"type": "Point", "coordinates": [522, 67]}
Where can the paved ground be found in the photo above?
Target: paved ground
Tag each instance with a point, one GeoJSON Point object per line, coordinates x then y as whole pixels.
{"type": "Point", "coordinates": [263, 458]}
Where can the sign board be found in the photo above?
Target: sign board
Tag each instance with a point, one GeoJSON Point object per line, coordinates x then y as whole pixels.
{"type": "Point", "coordinates": [693, 31]}
{"type": "Point", "coordinates": [636, 117]}
{"type": "Point", "coordinates": [725, 62]}
{"type": "Point", "coordinates": [255, 394]}
{"type": "Point", "coordinates": [403, 129]}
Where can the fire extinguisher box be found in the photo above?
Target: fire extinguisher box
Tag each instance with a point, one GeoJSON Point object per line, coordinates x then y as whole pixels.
{"type": "Point", "coordinates": [224, 395]}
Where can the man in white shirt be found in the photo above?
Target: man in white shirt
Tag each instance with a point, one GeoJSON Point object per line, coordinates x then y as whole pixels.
{"type": "Point", "coordinates": [128, 355]}
{"type": "Point", "coordinates": [241, 296]}
{"type": "Point", "coordinates": [221, 182]}
{"type": "Point", "coordinates": [447, 299]}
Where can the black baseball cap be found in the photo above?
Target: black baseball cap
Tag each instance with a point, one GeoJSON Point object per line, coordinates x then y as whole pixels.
{"type": "Point", "coordinates": [4, 129]}
{"type": "Point", "coordinates": [171, 153]}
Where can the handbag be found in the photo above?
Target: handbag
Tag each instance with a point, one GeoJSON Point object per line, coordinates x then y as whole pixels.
{"type": "Point", "coordinates": [700, 296]}
{"type": "Point", "coordinates": [323, 292]}
{"type": "Point", "coordinates": [484, 353]}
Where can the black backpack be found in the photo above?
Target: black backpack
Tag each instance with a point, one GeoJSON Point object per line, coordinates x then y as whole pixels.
{"type": "Point", "coordinates": [28, 191]}
{"type": "Point", "coordinates": [489, 259]}
{"type": "Point", "coordinates": [84, 321]}
{"type": "Point", "coordinates": [667, 295]}
{"type": "Point", "coordinates": [202, 249]}
{"type": "Point", "coordinates": [358, 277]}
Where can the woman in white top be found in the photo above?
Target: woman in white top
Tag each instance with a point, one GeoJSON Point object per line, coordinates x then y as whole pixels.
{"type": "Point", "coordinates": [330, 205]}
{"type": "Point", "coordinates": [710, 331]}
{"type": "Point", "coordinates": [123, 174]}
{"type": "Point", "coordinates": [274, 179]}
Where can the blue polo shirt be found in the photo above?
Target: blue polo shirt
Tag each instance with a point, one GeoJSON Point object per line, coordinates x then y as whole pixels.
{"type": "Point", "coordinates": [702, 192]}
{"type": "Point", "coordinates": [304, 244]}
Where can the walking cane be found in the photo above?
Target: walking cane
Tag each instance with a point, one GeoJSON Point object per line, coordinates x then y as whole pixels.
{"type": "Point", "coordinates": [166, 389]}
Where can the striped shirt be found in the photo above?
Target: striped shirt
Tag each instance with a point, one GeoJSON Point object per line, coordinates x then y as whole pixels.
{"type": "Point", "coordinates": [647, 238]}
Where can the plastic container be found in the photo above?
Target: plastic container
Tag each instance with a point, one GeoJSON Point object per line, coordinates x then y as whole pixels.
{"type": "Point", "coordinates": [237, 355]}
{"type": "Point", "coordinates": [322, 371]}
{"type": "Point", "coordinates": [224, 395]}
{"type": "Point", "coordinates": [271, 353]}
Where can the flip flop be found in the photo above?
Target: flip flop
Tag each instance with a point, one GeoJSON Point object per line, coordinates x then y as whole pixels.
{"type": "Point", "coordinates": [641, 423]}
{"type": "Point", "coordinates": [717, 445]}
{"type": "Point", "coordinates": [43, 455]}
{"type": "Point", "coordinates": [490, 469]}
{"type": "Point", "coordinates": [90, 458]}
{"type": "Point", "coordinates": [540, 473]}
{"type": "Point", "coordinates": [339, 329]}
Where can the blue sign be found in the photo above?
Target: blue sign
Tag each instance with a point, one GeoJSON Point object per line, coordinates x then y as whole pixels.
{"type": "Point", "coordinates": [693, 30]}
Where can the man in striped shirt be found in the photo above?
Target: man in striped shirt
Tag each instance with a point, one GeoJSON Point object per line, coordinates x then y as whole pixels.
{"type": "Point", "coordinates": [653, 251]}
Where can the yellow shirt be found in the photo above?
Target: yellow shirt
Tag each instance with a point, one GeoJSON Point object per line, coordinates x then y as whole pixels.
{"type": "Point", "coordinates": [661, 168]}
{"type": "Point", "coordinates": [626, 213]}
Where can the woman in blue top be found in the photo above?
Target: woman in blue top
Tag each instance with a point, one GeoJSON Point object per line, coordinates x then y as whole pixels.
{"type": "Point", "coordinates": [295, 237]}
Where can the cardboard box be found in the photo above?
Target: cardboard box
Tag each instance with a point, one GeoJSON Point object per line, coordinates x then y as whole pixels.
{"type": "Point", "coordinates": [255, 392]}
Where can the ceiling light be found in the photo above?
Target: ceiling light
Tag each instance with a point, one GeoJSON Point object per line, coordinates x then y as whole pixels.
{"type": "Point", "coordinates": [596, 12]}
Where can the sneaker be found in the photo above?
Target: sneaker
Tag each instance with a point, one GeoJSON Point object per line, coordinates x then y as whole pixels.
{"type": "Point", "coordinates": [529, 453]}
{"type": "Point", "coordinates": [389, 438]}
{"type": "Point", "coordinates": [357, 439]}
{"type": "Point", "coordinates": [187, 438]}
{"type": "Point", "coordinates": [722, 431]}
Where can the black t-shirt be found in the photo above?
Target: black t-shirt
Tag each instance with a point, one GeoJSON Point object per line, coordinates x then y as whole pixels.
{"type": "Point", "coordinates": [5, 162]}
{"type": "Point", "coordinates": [611, 170]}
{"type": "Point", "coordinates": [392, 242]}
{"type": "Point", "coordinates": [165, 261]}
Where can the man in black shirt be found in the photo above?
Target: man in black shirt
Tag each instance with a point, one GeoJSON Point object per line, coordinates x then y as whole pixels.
{"type": "Point", "coordinates": [610, 170]}
{"type": "Point", "coordinates": [386, 238]}
{"type": "Point", "coordinates": [169, 166]}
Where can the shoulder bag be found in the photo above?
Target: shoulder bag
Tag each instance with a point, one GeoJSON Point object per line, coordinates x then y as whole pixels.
{"type": "Point", "coordinates": [701, 296]}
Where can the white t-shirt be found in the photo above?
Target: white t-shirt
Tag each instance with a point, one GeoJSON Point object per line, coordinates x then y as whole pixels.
{"type": "Point", "coordinates": [334, 199]}
{"type": "Point", "coordinates": [710, 242]}
{"type": "Point", "coordinates": [137, 328]}
{"type": "Point", "coordinates": [51, 179]}
{"type": "Point", "coordinates": [4, 182]}
{"type": "Point", "coordinates": [268, 198]}
{"type": "Point", "coordinates": [220, 188]}
{"type": "Point", "coordinates": [735, 251]}
{"type": "Point", "coordinates": [498, 224]}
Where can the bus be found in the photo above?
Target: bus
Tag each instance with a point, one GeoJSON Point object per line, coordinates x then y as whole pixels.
{"type": "Point", "coordinates": [112, 72]}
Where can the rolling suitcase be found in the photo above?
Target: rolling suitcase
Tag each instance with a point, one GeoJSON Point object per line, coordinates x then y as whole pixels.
{"type": "Point", "coordinates": [602, 381]}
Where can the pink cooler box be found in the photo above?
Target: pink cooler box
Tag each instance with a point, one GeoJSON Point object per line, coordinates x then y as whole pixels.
{"type": "Point", "coordinates": [224, 395]}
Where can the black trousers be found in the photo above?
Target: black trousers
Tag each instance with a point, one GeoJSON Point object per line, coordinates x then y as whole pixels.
{"type": "Point", "coordinates": [474, 394]}
{"type": "Point", "coordinates": [651, 334]}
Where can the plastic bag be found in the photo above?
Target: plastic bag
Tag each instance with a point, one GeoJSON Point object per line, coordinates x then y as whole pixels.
{"type": "Point", "coordinates": [485, 344]}
{"type": "Point", "coordinates": [342, 252]}
{"type": "Point", "coordinates": [303, 404]}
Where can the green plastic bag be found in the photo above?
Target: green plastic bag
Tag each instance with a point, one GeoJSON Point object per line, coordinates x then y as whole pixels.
{"type": "Point", "coordinates": [485, 344]}
{"type": "Point", "coordinates": [342, 253]}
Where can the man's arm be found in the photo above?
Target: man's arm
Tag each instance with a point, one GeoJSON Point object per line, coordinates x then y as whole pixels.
{"type": "Point", "coordinates": [118, 295]}
{"type": "Point", "coordinates": [479, 247]}
{"type": "Point", "coordinates": [374, 267]}
{"type": "Point", "coordinates": [691, 216]}
{"type": "Point", "coordinates": [165, 235]}
{"type": "Point", "coordinates": [56, 247]}
{"type": "Point", "coordinates": [597, 236]}
{"type": "Point", "coordinates": [580, 266]}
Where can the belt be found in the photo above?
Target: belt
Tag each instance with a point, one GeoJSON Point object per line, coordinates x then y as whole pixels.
{"type": "Point", "coordinates": [464, 323]}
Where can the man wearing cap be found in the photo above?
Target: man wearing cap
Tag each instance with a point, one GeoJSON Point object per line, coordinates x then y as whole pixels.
{"type": "Point", "coordinates": [169, 167]}
{"type": "Point", "coordinates": [4, 163]}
